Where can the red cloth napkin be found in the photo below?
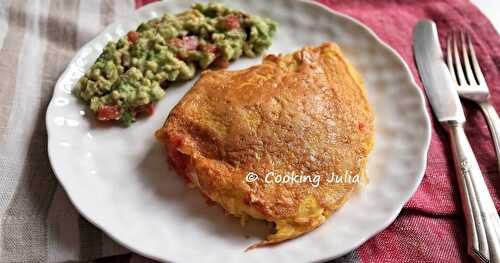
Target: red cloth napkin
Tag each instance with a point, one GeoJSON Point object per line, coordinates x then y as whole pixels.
{"type": "Point", "coordinates": [430, 228]}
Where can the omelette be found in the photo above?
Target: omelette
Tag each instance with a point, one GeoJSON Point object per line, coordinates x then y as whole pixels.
{"type": "Point", "coordinates": [303, 114]}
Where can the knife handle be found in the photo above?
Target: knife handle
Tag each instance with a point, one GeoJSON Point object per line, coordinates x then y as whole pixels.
{"type": "Point", "coordinates": [483, 226]}
{"type": "Point", "coordinates": [494, 125]}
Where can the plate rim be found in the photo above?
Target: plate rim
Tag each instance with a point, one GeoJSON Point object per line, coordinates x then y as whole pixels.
{"type": "Point", "coordinates": [409, 78]}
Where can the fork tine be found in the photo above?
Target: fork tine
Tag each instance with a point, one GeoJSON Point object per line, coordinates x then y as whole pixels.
{"type": "Point", "coordinates": [458, 63]}
{"type": "Point", "coordinates": [449, 57]}
{"type": "Point", "coordinates": [475, 63]}
{"type": "Point", "coordinates": [467, 67]}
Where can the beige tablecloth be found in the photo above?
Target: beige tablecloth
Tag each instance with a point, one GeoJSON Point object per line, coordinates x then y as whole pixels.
{"type": "Point", "coordinates": [37, 40]}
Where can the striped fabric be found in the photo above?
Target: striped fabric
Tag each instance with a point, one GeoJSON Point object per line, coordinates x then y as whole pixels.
{"type": "Point", "coordinates": [37, 40]}
{"type": "Point", "coordinates": [39, 224]}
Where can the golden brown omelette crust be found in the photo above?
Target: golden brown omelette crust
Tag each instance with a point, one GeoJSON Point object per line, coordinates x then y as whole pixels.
{"type": "Point", "coordinates": [305, 112]}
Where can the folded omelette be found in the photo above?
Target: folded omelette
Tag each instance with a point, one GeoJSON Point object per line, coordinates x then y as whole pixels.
{"type": "Point", "coordinates": [304, 113]}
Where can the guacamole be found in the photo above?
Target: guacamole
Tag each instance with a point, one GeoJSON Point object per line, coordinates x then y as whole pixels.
{"type": "Point", "coordinates": [132, 73]}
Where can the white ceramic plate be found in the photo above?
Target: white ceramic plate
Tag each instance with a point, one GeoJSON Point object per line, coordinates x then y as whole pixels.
{"type": "Point", "coordinates": [118, 178]}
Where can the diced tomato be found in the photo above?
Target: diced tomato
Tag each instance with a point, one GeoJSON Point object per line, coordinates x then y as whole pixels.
{"type": "Point", "coordinates": [147, 109]}
{"type": "Point", "coordinates": [107, 113]}
{"type": "Point", "coordinates": [221, 62]}
{"type": "Point", "coordinates": [209, 48]}
{"type": "Point", "coordinates": [186, 43]}
{"type": "Point", "coordinates": [246, 199]}
{"type": "Point", "coordinates": [231, 22]}
{"type": "Point", "coordinates": [190, 42]}
{"type": "Point", "coordinates": [361, 126]}
{"type": "Point", "coordinates": [133, 36]}
{"type": "Point", "coordinates": [177, 160]}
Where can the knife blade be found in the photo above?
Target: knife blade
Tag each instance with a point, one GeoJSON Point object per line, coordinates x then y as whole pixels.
{"type": "Point", "coordinates": [435, 76]}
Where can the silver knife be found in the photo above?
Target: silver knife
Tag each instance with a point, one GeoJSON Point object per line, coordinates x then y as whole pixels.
{"type": "Point", "coordinates": [482, 221]}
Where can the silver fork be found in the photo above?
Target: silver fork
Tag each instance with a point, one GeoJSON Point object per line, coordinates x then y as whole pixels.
{"type": "Point", "coordinates": [471, 83]}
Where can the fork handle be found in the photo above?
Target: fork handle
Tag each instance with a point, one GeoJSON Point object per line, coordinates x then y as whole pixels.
{"type": "Point", "coordinates": [482, 222]}
{"type": "Point", "coordinates": [494, 124]}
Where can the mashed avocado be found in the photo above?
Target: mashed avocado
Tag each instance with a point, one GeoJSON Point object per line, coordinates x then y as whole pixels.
{"type": "Point", "coordinates": [132, 73]}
